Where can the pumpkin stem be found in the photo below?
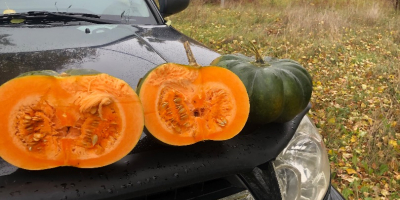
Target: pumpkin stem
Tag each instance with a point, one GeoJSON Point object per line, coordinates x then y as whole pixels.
{"type": "Point", "coordinates": [259, 58]}
{"type": "Point", "coordinates": [189, 54]}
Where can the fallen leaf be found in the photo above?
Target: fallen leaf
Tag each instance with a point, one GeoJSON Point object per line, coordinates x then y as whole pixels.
{"type": "Point", "coordinates": [374, 166]}
{"type": "Point", "coordinates": [331, 121]}
{"type": "Point", "coordinates": [364, 86]}
{"type": "Point", "coordinates": [351, 171]}
{"type": "Point", "coordinates": [397, 177]}
{"type": "Point", "coordinates": [393, 143]}
{"type": "Point", "coordinates": [348, 178]}
{"type": "Point", "coordinates": [347, 155]}
{"type": "Point", "coordinates": [353, 139]}
{"type": "Point", "coordinates": [384, 192]}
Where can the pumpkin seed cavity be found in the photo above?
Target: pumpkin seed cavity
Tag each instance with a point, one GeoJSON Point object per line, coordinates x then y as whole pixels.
{"type": "Point", "coordinates": [181, 108]}
{"type": "Point", "coordinates": [98, 127]}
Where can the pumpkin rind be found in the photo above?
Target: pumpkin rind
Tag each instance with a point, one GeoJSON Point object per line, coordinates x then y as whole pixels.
{"type": "Point", "coordinates": [51, 120]}
{"type": "Point", "coordinates": [278, 90]}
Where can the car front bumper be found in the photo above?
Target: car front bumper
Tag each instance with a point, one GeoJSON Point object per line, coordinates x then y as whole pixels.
{"type": "Point", "coordinates": [333, 194]}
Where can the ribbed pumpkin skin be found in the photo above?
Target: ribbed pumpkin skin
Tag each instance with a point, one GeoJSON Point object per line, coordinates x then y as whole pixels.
{"type": "Point", "coordinates": [278, 89]}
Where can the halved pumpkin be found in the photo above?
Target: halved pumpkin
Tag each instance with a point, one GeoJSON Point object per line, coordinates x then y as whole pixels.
{"type": "Point", "coordinates": [185, 104]}
{"type": "Point", "coordinates": [80, 118]}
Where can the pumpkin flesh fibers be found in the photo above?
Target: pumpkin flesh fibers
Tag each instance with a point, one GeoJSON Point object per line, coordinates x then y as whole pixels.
{"type": "Point", "coordinates": [83, 121]}
{"type": "Point", "coordinates": [186, 104]}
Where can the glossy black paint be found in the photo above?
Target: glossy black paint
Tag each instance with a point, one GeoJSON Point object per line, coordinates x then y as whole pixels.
{"type": "Point", "coordinates": [124, 51]}
{"type": "Point", "coordinates": [333, 194]}
{"type": "Point", "coordinates": [262, 182]}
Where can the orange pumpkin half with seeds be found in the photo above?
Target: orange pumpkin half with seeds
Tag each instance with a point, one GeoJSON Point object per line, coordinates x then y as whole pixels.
{"type": "Point", "coordinates": [80, 118]}
{"type": "Point", "coordinates": [185, 104]}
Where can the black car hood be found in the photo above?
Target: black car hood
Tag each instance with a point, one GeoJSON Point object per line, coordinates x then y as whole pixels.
{"type": "Point", "coordinates": [123, 51]}
{"type": "Point", "coordinates": [150, 167]}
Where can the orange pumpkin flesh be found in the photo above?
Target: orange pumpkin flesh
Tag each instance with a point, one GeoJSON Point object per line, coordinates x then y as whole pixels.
{"type": "Point", "coordinates": [83, 121]}
{"type": "Point", "coordinates": [186, 104]}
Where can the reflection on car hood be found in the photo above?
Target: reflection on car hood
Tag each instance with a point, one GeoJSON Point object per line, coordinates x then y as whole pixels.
{"type": "Point", "coordinates": [23, 39]}
{"type": "Point", "coordinates": [124, 51]}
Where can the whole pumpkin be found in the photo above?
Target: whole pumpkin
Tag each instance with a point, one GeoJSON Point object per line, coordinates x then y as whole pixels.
{"type": "Point", "coordinates": [278, 89]}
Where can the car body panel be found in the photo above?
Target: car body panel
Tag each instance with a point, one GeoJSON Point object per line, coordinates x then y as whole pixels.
{"type": "Point", "coordinates": [333, 194]}
{"type": "Point", "coordinates": [124, 51]}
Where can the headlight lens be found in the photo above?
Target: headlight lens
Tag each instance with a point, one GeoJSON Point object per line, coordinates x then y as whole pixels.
{"type": "Point", "coordinates": [302, 168]}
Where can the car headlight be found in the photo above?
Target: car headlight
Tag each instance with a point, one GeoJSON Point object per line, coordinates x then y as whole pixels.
{"type": "Point", "coordinates": [302, 168]}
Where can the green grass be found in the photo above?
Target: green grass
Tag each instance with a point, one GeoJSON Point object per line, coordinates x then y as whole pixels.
{"type": "Point", "coordinates": [351, 48]}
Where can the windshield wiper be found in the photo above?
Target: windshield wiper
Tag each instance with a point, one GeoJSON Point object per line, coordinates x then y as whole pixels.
{"type": "Point", "coordinates": [55, 16]}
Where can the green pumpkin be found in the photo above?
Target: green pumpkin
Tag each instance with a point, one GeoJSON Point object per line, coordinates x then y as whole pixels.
{"type": "Point", "coordinates": [278, 89]}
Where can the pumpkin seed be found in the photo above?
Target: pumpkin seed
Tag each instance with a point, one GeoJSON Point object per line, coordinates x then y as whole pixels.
{"type": "Point", "coordinates": [221, 124]}
{"type": "Point", "coordinates": [181, 110]}
{"type": "Point", "coordinates": [27, 117]}
{"type": "Point", "coordinates": [222, 121]}
{"type": "Point", "coordinates": [95, 138]}
{"type": "Point", "coordinates": [177, 100]}
{"type": "Point", "coordinates": [36, 119]}
{"type": "Point", "coordinates": [106, 101]}
{"type": "Point", "coordinates": [177, 129]}
{"type": "Point", "coordinates": [93, 110]}
{"type": "Point", "coordinates": [184, 116]}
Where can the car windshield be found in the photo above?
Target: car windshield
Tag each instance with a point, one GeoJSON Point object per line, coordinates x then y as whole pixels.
{"type": "Point", "coordinates": [126, 11]}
